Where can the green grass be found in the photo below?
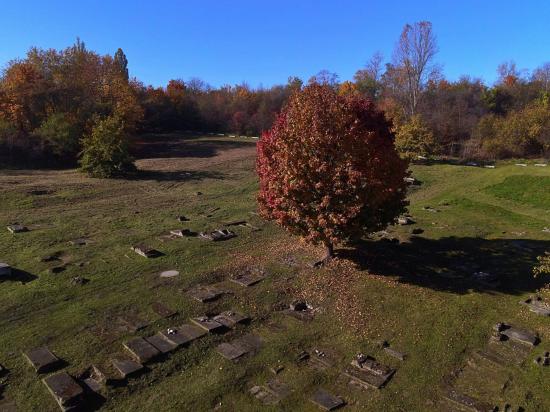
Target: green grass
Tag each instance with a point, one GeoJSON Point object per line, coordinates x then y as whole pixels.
{"type": "Point", "coordinates": [405, 293]}
{"type": "Point", "coordinates": [529, 190]}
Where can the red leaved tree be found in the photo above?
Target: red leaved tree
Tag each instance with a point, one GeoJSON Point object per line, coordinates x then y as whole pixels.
{"type": "Point", "coordinates": [328, 168]}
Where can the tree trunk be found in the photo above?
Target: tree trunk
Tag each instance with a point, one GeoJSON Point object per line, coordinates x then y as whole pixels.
{"type": "Point", "coordinates": [329, 254]}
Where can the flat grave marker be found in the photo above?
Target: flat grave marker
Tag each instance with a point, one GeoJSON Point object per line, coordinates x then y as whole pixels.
{"type": "Point", "coordinates": [127, 367]}
{"type": "Point", "coordinates": [208, 324]}
{"type": "Point", "coordinates": [142, 350]}
{"type": "Point", "coordinates": [162, 344]}
{"type": "Point", "coordinates": [184, 334]}
{"type": "Point", "coordinates": [66, 391]}
{"type": "Point", "coordinates": [230, 319]}
{"type": "Point", "coordinates": [205, 293]}
{"type": "Point", "coordinates": [326, 401]}
{"type": "Point", "coordinates": [248, 278]}
{"type": "Point", "coordinates": [42, 360]}
{"type": "Point", "coordinates": [162, 310]}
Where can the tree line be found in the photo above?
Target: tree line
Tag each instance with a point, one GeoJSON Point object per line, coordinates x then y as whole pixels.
{"type": "Point", "coordinates": [60, 106]}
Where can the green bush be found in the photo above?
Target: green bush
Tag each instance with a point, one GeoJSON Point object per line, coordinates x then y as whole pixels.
{"type": "Point", "coordinates": [105, 150]}
{"type": "Point", "coordinates": [58, 135]}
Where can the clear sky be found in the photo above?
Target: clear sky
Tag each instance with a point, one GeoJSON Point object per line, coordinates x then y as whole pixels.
{"type": "Point", "coordinates": [265, 41]}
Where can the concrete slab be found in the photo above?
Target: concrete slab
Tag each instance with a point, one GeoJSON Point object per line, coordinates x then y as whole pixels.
{"type": "Point", "coordinates": [208, 324]}
{"type": "Point", "coordinates": [141, 350]}
{"type": "Point", "coordinates": [184, 334]}
{"type": "Point", "coordinates": [42, 359]}
{"type": "Point", "coordinates": [162, 344]}
{"type": "Point", "coordinates": [326, 401]}
{"type": "Point", "coordinates": [230, 319]}
{"type": "Point", "coordinates": [66, 391]}
{"type": "Point", "coordinates": [127, 368]}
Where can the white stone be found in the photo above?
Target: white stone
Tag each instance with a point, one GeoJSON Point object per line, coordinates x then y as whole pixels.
{"type": "Point", "coordinates": [169, 274]}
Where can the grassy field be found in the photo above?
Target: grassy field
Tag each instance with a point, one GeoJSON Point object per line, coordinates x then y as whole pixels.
{"type": "Point", "coordinates": [417, 293]}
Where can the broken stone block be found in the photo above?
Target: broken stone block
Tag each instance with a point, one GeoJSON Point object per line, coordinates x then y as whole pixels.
{"type": "Point", "coordinates": [183, 334]}
{"type": "Point", "coordinates": [162, 310]}
{"type": "Point", "coordinates": [169, 274]}
{"type": "Point", "coordinates": [66, 391]}
{"type": "Point", "coordinates": [183, 233]}
{"type": "Point", "coordinates": [94, 378]}
{"type": "Point", "coordinates": [301, 310]}
{"type": "Point", "coordinates": [521, 335]}
{"type": "Point", "coordinates": [17, 228]}
{"type": "Point", "coordinates": [142, 350]}
{"type": "Point", "coordinates": [160, 342]}
{"type": "Point", "coordinates": [42, 359]}
{"type": "Point", "coordinates": [205, 293]}
{"type": "Point", "coordinates": [230, 319]}
{"type": "Point", "coordinates": [537, 305]}
{"type": "Point", "coordinates": [127, 368]}
{"type": "Point", "coordinates": [5, 269]}
{"type": "Point", "coordinates": [249, 277]}
{"type": "Point", "coordinates": [321, 359]}
{"type": "Point", "coordinates": [146, 251]}
{"type": "Point", "coordinates": [326, 401]}
{"type": "Point", "coordinates": [208, 324]}
{"type": "Point", "coordinates": [217, 235]}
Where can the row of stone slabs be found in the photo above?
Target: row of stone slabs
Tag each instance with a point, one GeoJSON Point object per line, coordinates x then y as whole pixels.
{"type": "Point", "coordinates": [508, 346]}
{"type": "Point", "coordinates": [69, 394]}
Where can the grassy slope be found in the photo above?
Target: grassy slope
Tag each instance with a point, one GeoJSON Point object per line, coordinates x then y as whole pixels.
{"type": "Point", "coordinates": [436, 320]}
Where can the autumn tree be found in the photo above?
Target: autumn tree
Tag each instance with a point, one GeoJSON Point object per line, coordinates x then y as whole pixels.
{"type": "Point", "coordinates": [328, 168]}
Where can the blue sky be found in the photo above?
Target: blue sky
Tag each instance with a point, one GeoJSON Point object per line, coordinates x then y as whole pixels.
{"type": "Point", "coordinates": [265, 41]}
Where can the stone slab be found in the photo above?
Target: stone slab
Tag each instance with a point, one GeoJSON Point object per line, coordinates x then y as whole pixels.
{"type": "Point", "coordinates": [162, 310]}
{"type": "Point", "coordinates": [230, 351]}
{"type": "Point", "coordinates": [521, 335]}
{"type": "Point", "coordinates": [249, 342]}
{"type": "Point", "coordinates": [321, 359]}
{"type": "Point", "coordinates": [248, 278]}
{"type": "Point", "coordinates": [42, 359]}
{"type": "Point", "coordinates": [394, 353]}
{"type": "Point", "coordinates": [466, 401]}
{"type": "Point", "coordinates": [230, 319]}
{"type": "Point", "coordinates": [535, 305]}
{"type": "Point", "coordinates": [66, 391]}
{"type": "Point", "coordinates": [205, 293]}
{"type": "Point", "coordinates": [183, 233]}
{"type": "Point", "coordinates": [217, 235]}
{"type": "Point", "coordinates": [264, 395]}
{"type": "Point", "coordinates": [326, 401]}
{"type": "Point", "coordinates": [142, 350]}
{"type": "Point", "coordinates": [5, 269]}
{"type": "Point", "coordinates": [127, 367]}
{"type": "Point", "coordinates": [169, 274]}
{"type": "Point", "coordinates": [184, 334]}
{"type": "Point", "coordinates": [367, 372]}
{"type": "Point", "coordinates": [162, 344]}
{"type": "Point", "coordinates": [208, 324]}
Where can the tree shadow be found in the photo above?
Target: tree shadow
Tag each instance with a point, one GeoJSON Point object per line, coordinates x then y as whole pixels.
{"type": "Point", "coordinates": [18, 275]}
{"type": "Point", "coordinates": [174, 145]}
{"type": "Point", "coordinates": [454, 264]}
{"type": "Point", "coordinates": [176, 175]}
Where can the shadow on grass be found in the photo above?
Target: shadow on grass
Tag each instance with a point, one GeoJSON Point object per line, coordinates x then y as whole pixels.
{"type": "Point", "coordinates": [177, 145]}
{"type": "Point", "coordinates": [449, 264]}
{"type": "Point", "coordinates": [18, 275]}
{"type": "Point", "coordinates": [175, 175]}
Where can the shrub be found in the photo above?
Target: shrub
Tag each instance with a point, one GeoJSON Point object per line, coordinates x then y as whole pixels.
{"type": "Point", "coordinates": [105, 150]}
{"type": "Point", "coordinates": [543, 267]}
{"type": "Point", "coordinates": [59, 136]}
{"type": "Point", "coordinates": [328, 168]}
{"type": "Point", "coordinates": [414, 139]}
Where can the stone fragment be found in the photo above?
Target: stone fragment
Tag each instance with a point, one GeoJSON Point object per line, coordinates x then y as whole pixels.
{"type": "Point", "coordinates": [249, 277]}
{"type": "Point", "coordinates": [162, 344]}
{"type": "Point", "coordinates": [541, 164]}
{"type": "Point", "coordinates": [162, 310]}
{"type": "Point", "coordinates": [217, 235]}
{"type": "Point", "coordinates": [169, 274]}
{"type": "Point", "coordinates": [230, 319]}
{"type": "Point", "coordinates": [42, 359]}
{"type": "Point", "coordinates": [205, 293]}
{"type": "Point", "coordinates": [208, 324]}
{"type": "Point", "coordinates": [126, 367]}
{"type": "Point", "coordinates": [183, 334]}
{"type": "Point", "coordinates": [17, 228]}
{"type": "Point", "coordinates": [142, 350]}
{"type": "Point", "coordinates": [146, 251]}
{"type": "Point", "coordinates": [66, 391]}
{"type": "Point", "coordinates": [5, 269]}
{"type": "Point", "coordinates": [94, 378]}
{"type": "Point", "coordinates": [326, 401]}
